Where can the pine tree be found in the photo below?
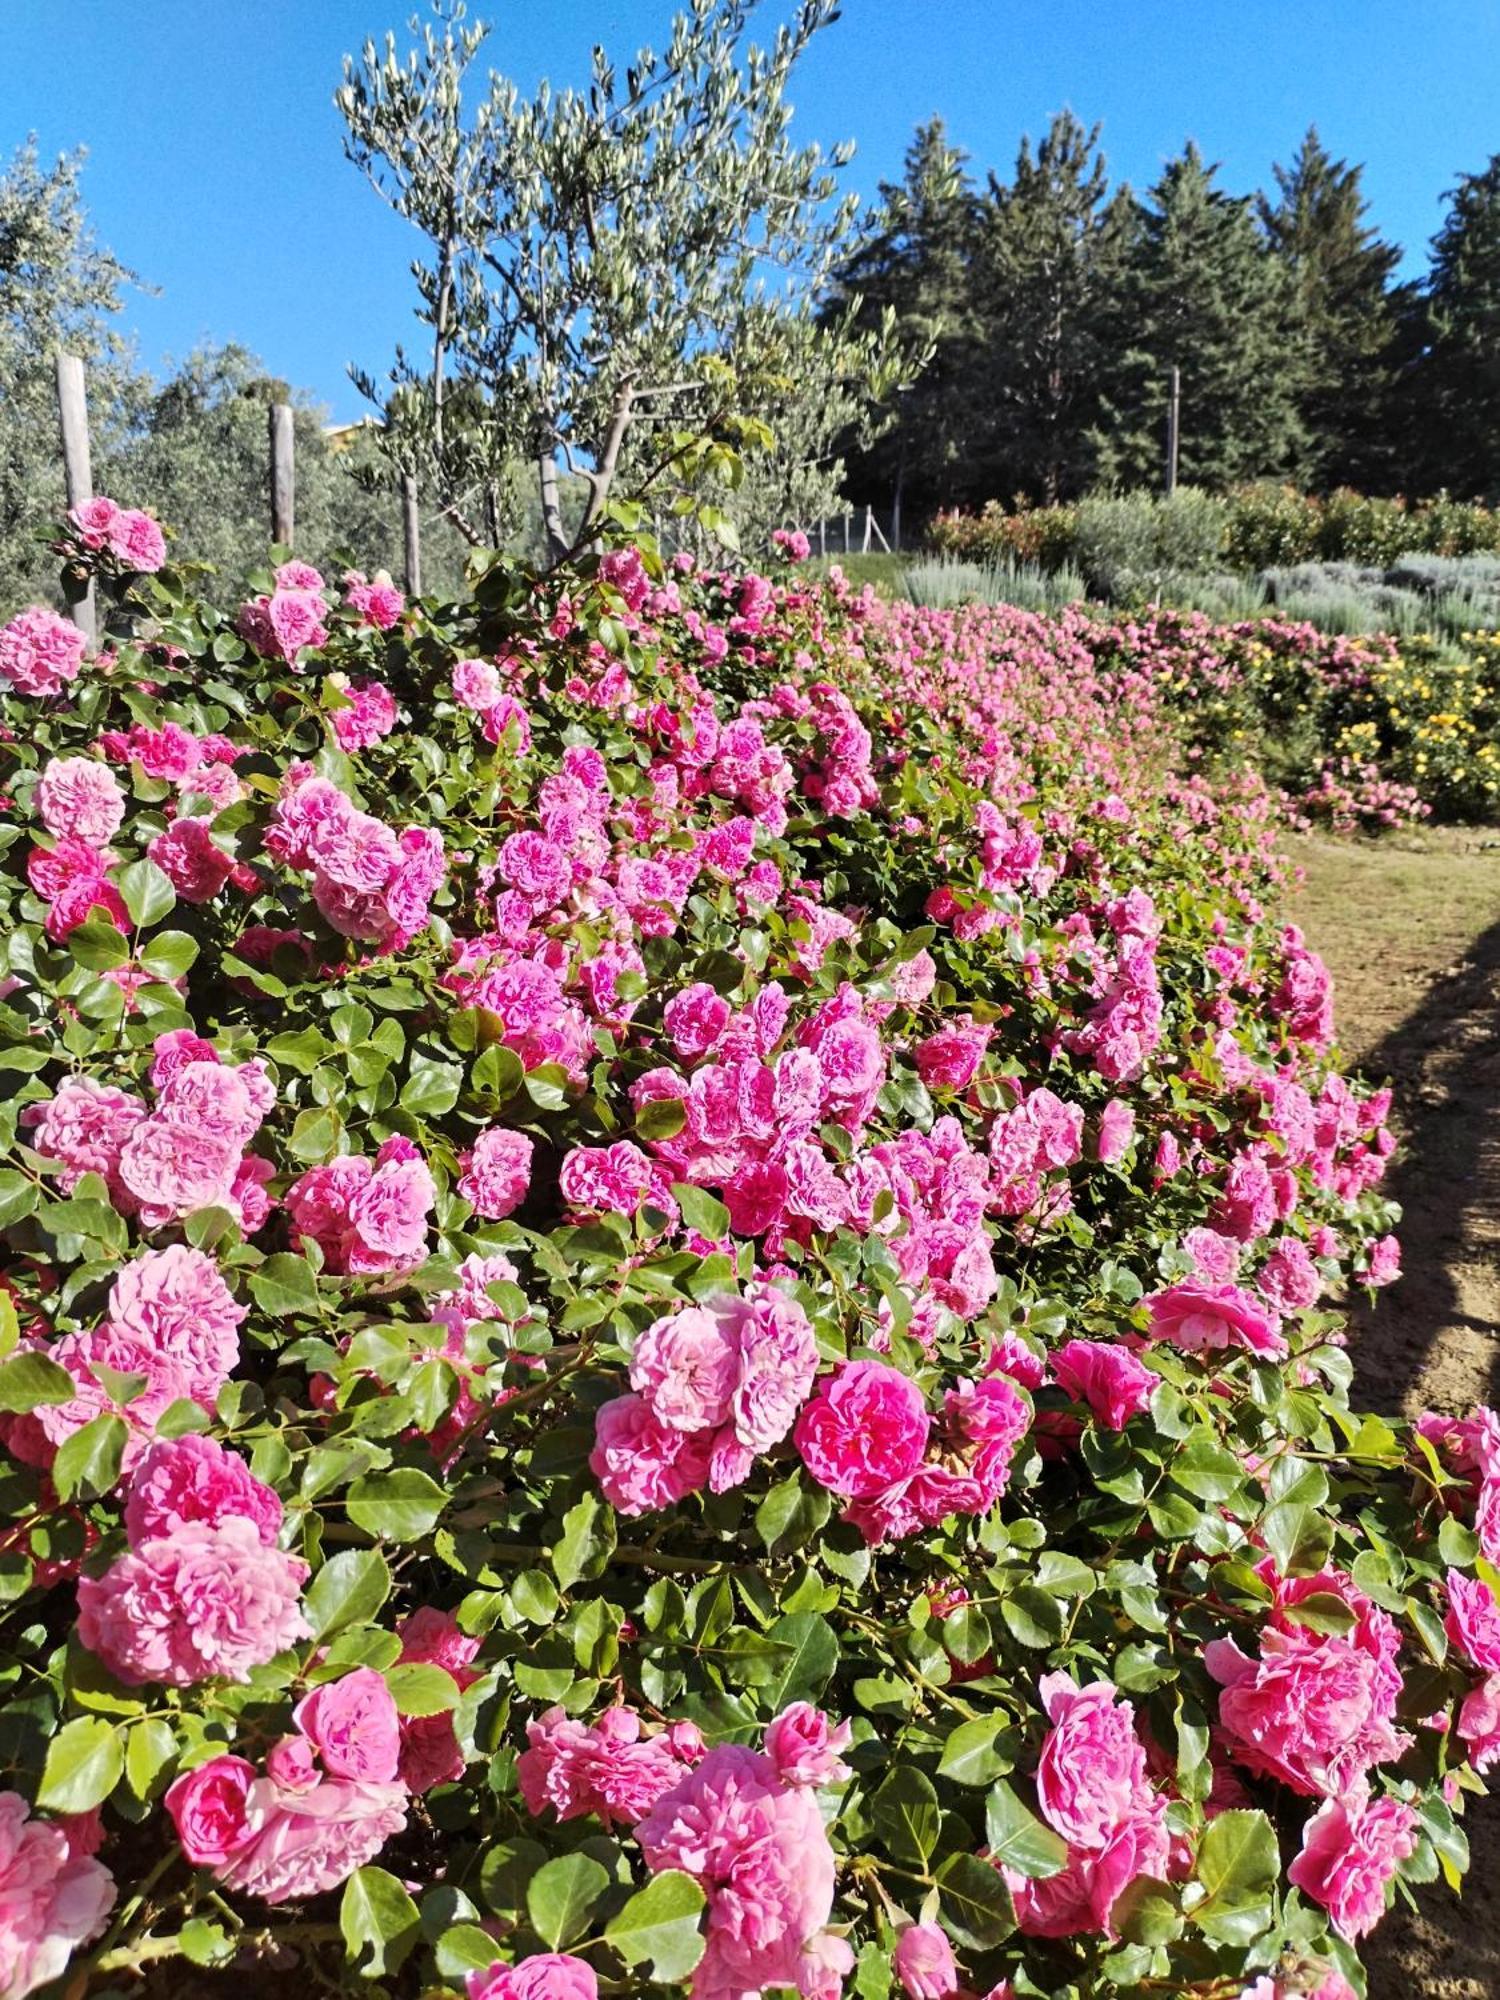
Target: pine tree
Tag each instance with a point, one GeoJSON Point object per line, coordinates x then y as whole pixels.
{"type": "Point", "coordinates": [1341, 271]}
{"type": "Point", "coordinates": [1452, 389]}
{"type": "Point", "coordinates": [1201, 291]}
{"type": "Point", "coordinates": [914, 258]}
{"type": "Point", "coordinates": [1050, 254]}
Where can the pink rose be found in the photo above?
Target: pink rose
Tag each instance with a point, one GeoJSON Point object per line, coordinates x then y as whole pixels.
{"type": "Point", "coordinates": [1351, 1848]}
{"type": "Point", "coordinates": [93, 521]}
{"type": "Point", "coordinates": [192, 1478]}
{"type": "Point", "coordinates": [640, 1462]}
{"type": "Point", "coordinates": [1474, 1621]}
{"type": "Point", "coordinates": [40, 652]}
{"type": "Point", "coordinates": [353, 1724]}
{"type": "Point", "coordinates": [207, 1602]}
{"type": "Point", "coordinates": [804, 1746]}
{"type": "Point", "coordinates": [1092, 1764]}
{"type": "Point", "coordinates": [1212, 1319]}
{"type": "Point", "coordinates": [54, 1897]}
{"type": "Point", "coordinates": [544, 1976]}
{"type": "Point", "coordinates": [924, 1963]}
{"type": "Point", "coordinates": [308, 1840]}
{"type": "Point", "coordinates": [497, 1172]}
{"type": "Point", "coordinates": [1108, 1378]}
{"type": "Point", "coordinates": [136, 541]}
{"type": "Point", "coordinates": [866, 1428]}
{"type": "Point", "coordinates": [79, 798]}
{"type": "Point", "coordinates": [686, 1368]}
{"type": "Point", "coordinates": [1116, 1130]}
{"type": "Point", "coordinates": [207, 1805]}
{"type": "Point", "coordinates": [950, 1059]}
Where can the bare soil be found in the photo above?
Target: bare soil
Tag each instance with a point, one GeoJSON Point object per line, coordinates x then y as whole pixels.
{"type": "Point", "coordinates": [1410, 927]}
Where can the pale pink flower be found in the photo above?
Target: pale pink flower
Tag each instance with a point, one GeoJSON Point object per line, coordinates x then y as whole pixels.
{"type": "Point", "coordinates": [193, 1478]}
{"type": "Point", "coordinates": [79, 798]}
{"type": "Point", "coordinates": [353, 1725]}
{"type": "Point", "coordinates": [924, 1963]}
{"type": "Point", "coordinates": [175, 1302]}
{"type": "Point", "coordinates": [1351, 1848]}
{"type": "Point", "coordinates": [548, 1975]}
{"type": "Point", "coordinates": [54, 1897]}
{"type": "Point", "coordinates": [207, 1602]}
{"type": "Point", "coordinates": [40, 652]}
{"type": "Point", "coordinates": [497, 1172]}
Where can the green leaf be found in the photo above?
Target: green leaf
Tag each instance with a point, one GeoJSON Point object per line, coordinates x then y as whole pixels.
{"type": "Point", "coordinates": [285, 1284]}
{"type": "Point", "coordinates": [701, 1211]}
{"type": "Point", "coordinates": [150, 1746]}
{"type": "Point", "coordinates": [661, 1118]}
{"type": "Point", "coordinates": [315, 1134]}
{"type": "Point", "coordinates": [505, 1871]}
{"type": "Point", "coordinates": [169, 954]}
{"type": "Point", "coordinates": [84, 1764]}
{"type": "Point", "coordinates": [1033, 1617]}
{"type": "Point", "coordinates": [420, 1689]}
{"type": "Point", "coordinates": [18, 1196]}
{"type": "Point", "coordinates": [560, 1896]}
{"type": "Point", "coordinates": [27, 1381]}
{"type": "Point", "coordinates": [146, 893]}
{"type": "Point", "coordinates": [1239, 1867]}
{"type": "Point", "coordinates": [379, 1922]}
{"type": "Point", "coordinates": [432, 1087]}
{"type": "Point", "coordinates": [1014, 1835]}
{"type": "Point", "coordinates": [976, 1906]}
{"type": "Point", "coordinates": [206, 1944]}
{"type": "Point", "coordinates": [972, 1754]}
{"type": "Point", "coordinates": [792, 1513]}
{"type": "Point", "coordinates": [98, 945]}
{"type": "Point", "coordinates": [586, 1542]}
{"type": "Point", "coordinates": [659, 1927]}
{"type": "Point", "coordinates": [348, 1590]}
{"type": "Point", "coordinates": [87, 1464]}
{"type": "Point", "coordinates": [810, 1652]}
{"type": "Point", "coordinates": [906, 1815]}
{"type": "Point", "coordinates": [464, 1948]}
{"type": "Point", "coordinates": [401, 1505]}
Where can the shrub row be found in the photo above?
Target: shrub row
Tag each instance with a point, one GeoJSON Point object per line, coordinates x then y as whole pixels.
{"type": "Point", "coordinates": [1123, 544]}
{"type": "Point", "coordinates": [673, 1247]}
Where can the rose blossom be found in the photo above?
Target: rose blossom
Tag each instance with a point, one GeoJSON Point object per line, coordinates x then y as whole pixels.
{"type": "Point", "coordinates": [803, 1745]}
{"type": "Point", "coordinates": [192, 1478]}
{"type": "Point", "coordinates": [353, 1724]}
{"type": "Point", "coordinates": [1211, 1319]}
{"type": "Point", "coordinates": [1474, 1621]}
{"type": "Point", "coordinates": [1108, 1378]}
{"type": "Point", "coordinates": [1351, 1848]}
{"type": "Point", "coordinates": [207, 1805]}
{"type": "Point", "coordinates": [176, 1302]}
{"type": "Point", "coordinates": [866, 1428]}
{"type": "Point", "coordinates": [53, 1897]}
{"type": "Point", "coordinates": [924, 1963]}
{"type": "Point", "coordinates": [1092, 1764]}
{"type": "Point", "coordinates": [548, 1975]}
{"type": "Point", "coordinates": [208, 1601]}
{"type": "Point", "coordinates": [497, 1172]}
{"type": "Point", "coordinates": [79, 798]}
{"type": "Point", "coordinates": [40, 652]}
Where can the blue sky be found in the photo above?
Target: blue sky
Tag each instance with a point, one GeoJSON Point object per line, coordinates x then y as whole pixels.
{"type": "Point", "coordinates": [216, 171]}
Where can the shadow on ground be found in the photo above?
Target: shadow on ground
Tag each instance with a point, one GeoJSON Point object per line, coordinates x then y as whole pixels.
{"type": "Point", "coordinates": [1415, 953]}
{"type": "Point", "coordinates": [1435, 1340]}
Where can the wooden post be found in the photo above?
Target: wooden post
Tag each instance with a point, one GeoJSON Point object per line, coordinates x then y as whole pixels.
{"type": "Point", "coordinates": [411, 529]}
{"type": "Point", "coordinates": [846, 531]}
{"type": "Point", "coordinates": [822, 544]}
{"type": "Point", "coordinates": [869, 515]}
{"type": "Point", "coordinates": [73, 419]}
{"type": "Point", "coordinates": [1174, 420]}
{"type": "Point", "coordinates": [283, 477]}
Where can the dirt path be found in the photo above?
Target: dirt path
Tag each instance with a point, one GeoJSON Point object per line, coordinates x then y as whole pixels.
{"type": "Point", "coordinates": [1411, 930]}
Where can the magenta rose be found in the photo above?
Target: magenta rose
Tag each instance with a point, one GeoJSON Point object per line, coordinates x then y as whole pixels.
{"type": "Point", "coordinates": [1351, 1848]}
{"type": "Point", "coordinates": [1108, 1378]}
{"type": "Point", "coordinates": [804, 1746]}
{"type": "Point", "coordinates": [865, 1429]}
{"type": "Point", "coordinates": [1212, 1319]}
{"type": "Point", "coordinates": [208, 1809]}
{"type": "Point", "coordinates": [354, 1726]}
{"type": "Point", "coordinates": [547, 1975]}
{"type": "Point", "coordinates": [1474, 1621]}
{"type": "Point", "coordinates": [1092, 1763]}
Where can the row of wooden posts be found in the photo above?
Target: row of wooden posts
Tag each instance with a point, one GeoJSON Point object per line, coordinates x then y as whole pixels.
{"type": "Point", "coordinates": [73, 418]}
{"type": "Point", "coordinates": [72, 410]}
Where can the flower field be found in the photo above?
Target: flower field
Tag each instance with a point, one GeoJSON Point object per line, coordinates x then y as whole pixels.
{"type": "Point", "coordinates": [673, 1247]}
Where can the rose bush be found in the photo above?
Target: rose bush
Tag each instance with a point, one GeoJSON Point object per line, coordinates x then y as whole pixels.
{"type": "Point", "coordinates": [670, 1316]}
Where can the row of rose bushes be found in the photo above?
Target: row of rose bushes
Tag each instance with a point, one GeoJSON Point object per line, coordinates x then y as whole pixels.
{"type": "Point", "coordinates": [670, 1316]}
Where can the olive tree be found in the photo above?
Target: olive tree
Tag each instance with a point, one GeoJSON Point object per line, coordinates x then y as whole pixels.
{"type": "Point", "coordinates": [593, 259]}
